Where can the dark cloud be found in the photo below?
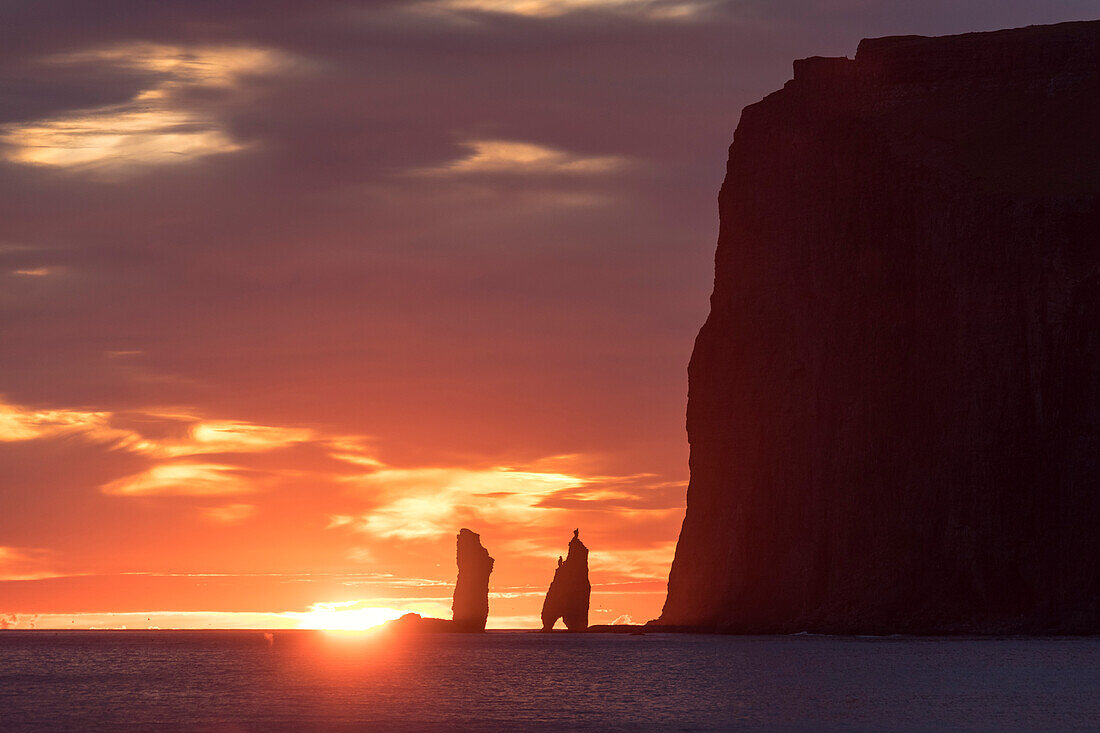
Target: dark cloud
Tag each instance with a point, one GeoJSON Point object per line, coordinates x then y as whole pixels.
{"type": "Point", "coordinates": [313, 251]}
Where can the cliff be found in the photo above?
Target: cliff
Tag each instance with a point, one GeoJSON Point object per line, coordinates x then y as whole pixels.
{"type": "Point", "coordinates": [570, 591]}
{"type": "Point", "coordinates": [470, 608]}
{"type": "Point", "coordinates": [894, 405]}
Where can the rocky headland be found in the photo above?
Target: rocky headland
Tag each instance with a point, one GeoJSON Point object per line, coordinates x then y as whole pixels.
{"type": "Point", "coordinates": [894, 405]}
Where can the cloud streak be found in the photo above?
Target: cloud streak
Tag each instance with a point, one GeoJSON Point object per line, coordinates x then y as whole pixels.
{"type": "Point", "coordinates": [155, 126]}
{"type": "Point", "coordinates": [29, 563]}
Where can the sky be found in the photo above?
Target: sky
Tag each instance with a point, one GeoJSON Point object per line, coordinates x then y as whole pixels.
{"type": "Point", "coordinates": [290, 292]}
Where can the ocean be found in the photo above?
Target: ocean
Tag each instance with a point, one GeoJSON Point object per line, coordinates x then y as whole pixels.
{"type": "Point", "coordinates": [294, 680]}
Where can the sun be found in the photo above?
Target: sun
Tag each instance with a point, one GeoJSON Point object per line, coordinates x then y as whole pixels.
{"type": "Point", "coordinates": [346, 616]}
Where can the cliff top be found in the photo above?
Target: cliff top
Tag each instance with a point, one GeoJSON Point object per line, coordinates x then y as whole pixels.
{"type": "Point", "coordinates": [1034, 50]}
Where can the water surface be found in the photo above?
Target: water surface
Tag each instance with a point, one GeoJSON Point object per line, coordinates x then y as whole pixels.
{"type": "Point", "coordinates": [234, 680]}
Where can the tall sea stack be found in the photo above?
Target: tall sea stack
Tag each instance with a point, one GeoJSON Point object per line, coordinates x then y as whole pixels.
{"type": "Point", "coordinates": [470, 608]}
{"type": "Point", "coordinates": [894, 405]}
{"type": "Point", "coordinates": [570, 590]}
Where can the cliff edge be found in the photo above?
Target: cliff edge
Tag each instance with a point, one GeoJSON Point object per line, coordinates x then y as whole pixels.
{"type": "Point", "coordinates": [894, 405]}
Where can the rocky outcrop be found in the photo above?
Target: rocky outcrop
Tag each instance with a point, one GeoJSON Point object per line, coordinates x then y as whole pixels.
{"type": "Point", "coordinates": [894, 405]}
{"type": "Point", "coordinates": [414, 623]}
{"type": "Point", "coordinates": [570, 591]}
{"type": "Point", "coordinates": [470, 608]}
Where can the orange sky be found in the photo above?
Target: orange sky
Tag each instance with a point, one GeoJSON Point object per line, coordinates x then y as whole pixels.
{"type": "Point", "coordinates": [290, 292]}
{"type": "Point", "coordinates": [230, 523]}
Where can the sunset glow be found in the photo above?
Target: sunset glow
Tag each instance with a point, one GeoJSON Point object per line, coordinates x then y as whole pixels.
{"type": "Point", "coordinates": [290, 294]}
{"type": "Point", "coordinates": [346, 617]}
{"type": "Point", "coordinates": [522, 365]}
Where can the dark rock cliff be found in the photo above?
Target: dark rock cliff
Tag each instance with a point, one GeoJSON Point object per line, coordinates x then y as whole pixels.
{"type": "Point", "coordinates": [894, 405]}
{"type": "Point", "coordinates": [470, 608]}
{"type": "Point", "coordinates": [570, 590]}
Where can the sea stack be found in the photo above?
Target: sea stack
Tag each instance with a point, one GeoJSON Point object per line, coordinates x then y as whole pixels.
{"type": "Point", "coordinates": [470, 608]}
{"type": "Point", "coordinates": [570, 591]}
{"type": "Point", "coordinates": [894, 405]}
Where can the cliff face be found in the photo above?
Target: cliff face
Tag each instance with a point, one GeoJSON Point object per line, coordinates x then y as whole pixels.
{"type": "Point", "coordinates": [570, 591]}
{"type": "Point", "coordinates": [894, 405]}
{"type": "Point", "coordinates": [470, 608]}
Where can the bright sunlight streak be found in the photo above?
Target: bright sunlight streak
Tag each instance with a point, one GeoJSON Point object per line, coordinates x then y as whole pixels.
{"type": "Point", "coordinates": [345, 616]}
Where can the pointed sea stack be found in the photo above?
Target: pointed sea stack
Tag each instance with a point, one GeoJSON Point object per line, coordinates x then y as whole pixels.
{"type": "Point", "coordinates": [570, 590]}
{"type": "Point", "coordinates": [894, 405]}
{"type": "Point", "coordinates": [470, 609]}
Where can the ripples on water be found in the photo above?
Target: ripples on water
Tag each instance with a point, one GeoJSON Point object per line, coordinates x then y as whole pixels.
{"type": "Point", "coordinates": [232, 680]}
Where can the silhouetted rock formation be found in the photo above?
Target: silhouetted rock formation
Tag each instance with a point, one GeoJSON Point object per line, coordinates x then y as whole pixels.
{"type": "Point", "coordinates": [894, 407]}
{"type": "Point", "coordinates": [415, 623]}
{"type": "Point", "coordinates": [570, 590]}
{"type": "Point", "coordinates": [470, 608]}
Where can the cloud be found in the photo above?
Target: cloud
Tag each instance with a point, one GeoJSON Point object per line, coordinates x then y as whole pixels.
{"type": "Point", "coordinates": [429, 502]}
{"type": "Point", "coordinates": [234, 437]}
{"type": "Point", "coordinates": [18, 621]}
{"type": "Point", "coordinates": [20, 423]}
{"type": "Point", "coordinates": [228, 514]}
{"type": "Point", "coordinates": [509, 156]}
{"type": "Point", "coordinates": [639, 563]}
{"type": "Point", "coordinates": [22, 563]}
{"type": "Point", "coordinates": [523, 503]}
{"type": "Point", "coordinates": [355, 451]}
{"type": "Point", "coordinates": [649, 9]}
{"type": "Point", "coordinates": [155, 126]}
{"type": "Point", "coordinates": [118, 138]}
{"type": "Point", "coordinates": [182, 479]}
{"type": "Point", "coordinates": [166, 434]}
{"type": "Point", "coordinates": [175, 444]}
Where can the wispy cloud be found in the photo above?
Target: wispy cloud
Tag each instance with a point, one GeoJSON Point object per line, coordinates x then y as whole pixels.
{"type": "Point", "coordinates": [237, 437]}
{"type": "Point", "coordinates": [183, 479]}
{"type": "Point", "coordinates": [516, 157]}
{"type": "Point", "coordinates": [152, 128]}
{"type": "Point", "coordinates": [428, 502]}
{"type": "Point", "coordinates": [651, 9]}
{"type": "Point", "coordinates": [181, 464]}
{"type": "Point", "coordinates": [20, 423]}
{"type": "Point", "coordinates": [26, 563]}
{"type": "Point", "coordinates": [640, 563]}
{"type": "Point", "coordinates": [228, 514]}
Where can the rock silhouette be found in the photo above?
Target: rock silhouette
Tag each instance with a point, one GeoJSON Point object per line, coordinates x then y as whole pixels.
{"type": "Point", "coordinates": [570, 591]}
{"type": "Point", "coordinates": [894, 405]}
{"type": "Point", "coordinates": [470, 608]}
{"type": "Point", "coordinates": [414, 623]}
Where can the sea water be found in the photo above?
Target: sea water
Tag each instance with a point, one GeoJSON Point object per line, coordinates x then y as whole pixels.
{"type": "Point", "coordinates": [283, 680]}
